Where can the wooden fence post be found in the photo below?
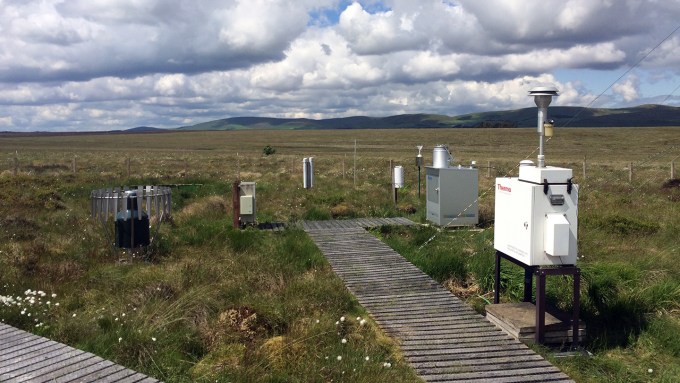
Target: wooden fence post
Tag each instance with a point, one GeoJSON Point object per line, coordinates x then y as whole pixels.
{"type": "Point", "coordinates": [355, 164]}
{"type": "Point", "coordinates": [488, 169]}
{"type": "Point", "coordinates": [584, 167]}
{"type": "Point", "coordinates": [127, 165]}
{"type": "Point", "coordinates": [16, 163]}
{"type": "Point", "coordinates": [630, 172]}
{"type": "Point", "coordinates": [343, 166]}
{"type": "Point", "coordinates": [391, 181]}
{"type": "Point", "coordinates": [672, 170]}
{"type": "Point", "coordinates": [74, 165]}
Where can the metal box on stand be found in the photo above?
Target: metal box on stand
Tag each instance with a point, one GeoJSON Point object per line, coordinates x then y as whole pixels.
{"type": "Point", "coordinates": [536, 216]}
{"type": "Point", "coordinates": [452, 196]}
{"type": "Point", "coordinates": [247, 202]}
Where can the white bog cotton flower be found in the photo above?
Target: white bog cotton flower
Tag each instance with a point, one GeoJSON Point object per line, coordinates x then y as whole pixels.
{"type": "Point", "coordinates": [339, 357]}
{"type": "Point", "coordinates": [342, 319]}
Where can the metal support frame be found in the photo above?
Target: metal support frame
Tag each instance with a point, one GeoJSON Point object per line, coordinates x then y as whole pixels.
{"type": "Point", "coordinates": [236, 204]}
{"type": "Point", "coordinates": [541, 274]}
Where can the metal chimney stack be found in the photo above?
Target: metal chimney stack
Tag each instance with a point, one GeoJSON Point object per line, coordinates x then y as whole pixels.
{"type": "Point", "coordinates": [542, 97]}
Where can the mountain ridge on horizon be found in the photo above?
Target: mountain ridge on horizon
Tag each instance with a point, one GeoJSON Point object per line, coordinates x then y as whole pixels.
{"type": "Point", "coordinates": [565, 116]}
{"type": "Point", "coordinates": [649, 115]}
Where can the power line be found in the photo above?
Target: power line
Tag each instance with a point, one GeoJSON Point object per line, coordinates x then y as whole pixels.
{"type": "Point", "coordinates": [624, 74]}
{"type": "Point", "coordinates": [670, 94]}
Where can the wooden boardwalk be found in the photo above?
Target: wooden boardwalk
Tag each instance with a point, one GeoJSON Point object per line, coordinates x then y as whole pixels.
{"type": "Point", "coordinates": [354, 223]}
{"type": "Point", "coordinates": [442, 338]}
{"type": "Point", "coordinates": [25, 357]}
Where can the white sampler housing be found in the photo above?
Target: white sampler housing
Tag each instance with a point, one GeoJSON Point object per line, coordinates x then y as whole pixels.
{"type": "Point", "coordinates": [537, 213]}
{"type": "Point", "coordinates": [536, 216]}
{"type": "Point", "coordinates": [451, 191]}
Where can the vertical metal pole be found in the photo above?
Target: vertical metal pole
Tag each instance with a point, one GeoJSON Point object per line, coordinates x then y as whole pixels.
{"type": "Point", "coordinates": [392, 182]}
{"type": "Point", "coordinates": [236, 203]}
{"type": "Point", "coordinates": [343, 166]}
{"type": "Point", "coordinates": [528, 282]}
{"type": "Point", "coordinates": [306, 178]}
{"type": "Point", "coordinates": [540, 306]}
{"type": "Point", "coordinates": [576, 306]}
{"type": "Point", "coordinates": [132, 223]}
{"type": "Point", "coordinates": [418, 183]}
{"type": "Point", "coordinates": [542, 114]}
{"type": "Point", "coordinates": [497, 278]}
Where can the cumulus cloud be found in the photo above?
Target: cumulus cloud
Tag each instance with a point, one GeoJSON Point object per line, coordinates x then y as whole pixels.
{"type": "Point", "coordinates": [111, 64]}
{"type": "Point", "coordinates": [628, 89]}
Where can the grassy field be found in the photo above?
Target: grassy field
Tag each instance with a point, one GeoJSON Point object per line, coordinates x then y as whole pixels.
{"type": "Point", "coordinates": [217, 304]}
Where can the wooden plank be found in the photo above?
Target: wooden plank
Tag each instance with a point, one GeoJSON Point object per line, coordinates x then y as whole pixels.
{"type": "Point", "coordinates": [464, 357]}
{"type": "Point", "coordinates": [8, 352]}
{"type": "Point", "coordinates": [114, 377]}
{"type": "Point", "coordinates": [81, 370]}
{"type": "Point", "coordinates": [477, 364]}
{"type": "Point", "coordinates": [25, 357]}
{"type": "Point", "coordinates": [15, 339]}
{"type": "Point", "coordinates": [26, 366]}
{"type": "Point", "coordinates": [102, 375]}
{"type": "Point", "coordinates": [28, 353]}
{"type": "Point", "coordinates": [136, 378]}
{"type": "Point", "coordinates": [540, 372]}
{"type": "Point", "coordinates": [57, 369]}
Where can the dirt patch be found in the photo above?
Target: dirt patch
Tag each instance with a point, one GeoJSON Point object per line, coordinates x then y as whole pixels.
{"type": "Point", "coordinates": [672, 183]}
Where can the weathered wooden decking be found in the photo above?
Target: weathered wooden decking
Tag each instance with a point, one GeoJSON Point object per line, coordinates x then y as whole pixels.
{"type": "Point", "coordinates": [441, 337]}
{"type": "Point", "coordinates": [25, 357]}
{"type": "Point", "coordinates": [354, 223]}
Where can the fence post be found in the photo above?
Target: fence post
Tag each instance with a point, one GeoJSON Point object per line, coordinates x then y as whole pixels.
{"type": "Point", "coordinates": [488, 169]}
{"type": "Point", "coordinates": [630, 172]}
{"type": "Point", "coordinates": [391, 181]}
{"type": "Point", "coordinates": [355, 164]}
{"type": "Point", "coordinates": [16, 163]}
{"type": "Point", "coordinates": [672, 170]}
{"type": "Point", "coordinates": [343, 166]}
{"type": "Point", "coordinates": [74, 165]}
{"type": "Point", "coordinates": [584, 167]}
{"type": "Point", "coordinates": [127, 165]}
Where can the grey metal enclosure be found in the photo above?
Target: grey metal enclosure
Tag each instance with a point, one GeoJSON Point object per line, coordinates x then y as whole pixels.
{"type": "Point", "coordinates": [452, 196]}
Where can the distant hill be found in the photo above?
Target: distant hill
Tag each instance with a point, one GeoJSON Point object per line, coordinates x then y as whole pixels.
{"type": "Point", "coordinates": [145, 129]}
{"type": "Point", "coordinates": [569, 116]}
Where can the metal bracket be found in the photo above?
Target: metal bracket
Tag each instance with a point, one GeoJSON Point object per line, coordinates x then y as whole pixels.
{"type": "Point", "coordinates": [545, 186]}
{"type": "Point", "coordinates": [570, 185]}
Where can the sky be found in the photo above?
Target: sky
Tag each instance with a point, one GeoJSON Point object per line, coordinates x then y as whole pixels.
{"type": "Point", "coordinates": [92, 65]}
